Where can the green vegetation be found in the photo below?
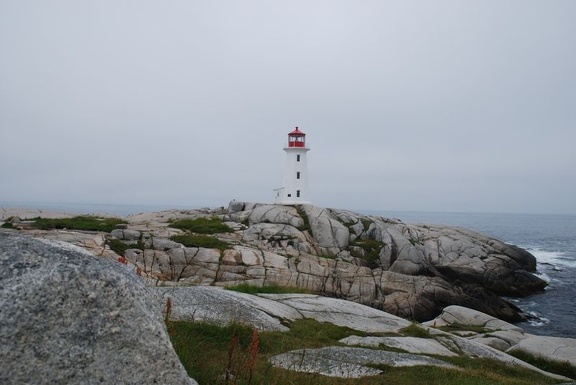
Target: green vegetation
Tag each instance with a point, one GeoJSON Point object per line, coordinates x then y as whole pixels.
{"type": "Point", "coordinates": [415, 331]}
{"type": "Point", "coordinates": [202, 225]}
{"type": "Point", "coordinates": [563, 368]}
{"type": "Point", "coordinates": [268, 289]}
{"type": "Point", "coordinates": [120, 247]}
{"type": "Point", "coordinates": [371, 249]}
{"type": "Point", "coordinates": [85, 223]}
{"type": "Point", "coordinates": [208, 352]}
{"type": "Point", "coordinates": [7, 225]}
{"type": "Point", "coordinates": [205, 241]}
{"type": "Point", "coordinates": [304, 217]}
{"type": "Point", "coordinates": [366, 223]}
{"type": "Point", "coordinates": [472, 329]}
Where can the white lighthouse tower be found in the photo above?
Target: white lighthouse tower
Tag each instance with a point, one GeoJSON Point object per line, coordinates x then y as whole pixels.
{"type": "Point", "coordinates": [295, 190]}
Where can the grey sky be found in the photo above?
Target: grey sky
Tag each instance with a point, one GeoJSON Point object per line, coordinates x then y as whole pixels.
{"type": "Point", "coordinates": [407, 105]}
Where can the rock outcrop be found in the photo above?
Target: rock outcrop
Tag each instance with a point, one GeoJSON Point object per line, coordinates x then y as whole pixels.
{"type": "Point", "coordinates": [69, 317]}
{"type": "Point", "coordinates": [413, 271]}
{"type": "Point", "coordinates": [270, 312]}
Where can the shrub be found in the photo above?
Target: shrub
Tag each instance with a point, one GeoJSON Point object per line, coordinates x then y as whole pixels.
{"type": "Point", "coordinates": [202, 225]}
{"type": "Point", "coordinates": [205, 241]}
{"type": "Point", "coordinates": [371, 249]}
{"type": "Point", "coordinates": [85, 223]}
{"type": "Point", "coordinates": [267, 289]}
{"type": "Point", "coordinates": [120, 247]}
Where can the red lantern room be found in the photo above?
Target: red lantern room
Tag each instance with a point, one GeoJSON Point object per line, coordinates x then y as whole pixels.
{"type": "Point", "coordinates": [296, 138]}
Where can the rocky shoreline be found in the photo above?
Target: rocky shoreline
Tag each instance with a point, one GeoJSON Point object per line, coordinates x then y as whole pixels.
{"type": "Point", "coordinates": [363, 272]}
{"type": "Point", "coordinates": [409, 270]}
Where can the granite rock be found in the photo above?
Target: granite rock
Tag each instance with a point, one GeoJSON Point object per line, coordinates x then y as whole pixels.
{"type": "Point", "coordinates": [70, 317]}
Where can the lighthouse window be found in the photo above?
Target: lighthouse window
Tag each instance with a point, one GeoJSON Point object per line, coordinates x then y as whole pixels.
{"type": "Point", "coordinates": [297, 158]}
{"type": "Point", "coordinates": [297, 174]}
{"type": "Point", "coordinates": [298, 193]}
{"type": "Point", "coordinates": [289, 195]}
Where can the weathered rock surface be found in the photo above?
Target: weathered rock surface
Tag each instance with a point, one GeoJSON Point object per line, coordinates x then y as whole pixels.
{"type": "Point", "coordinates": [69, 317]}
{"type": "Point", "coordinates": [348, 362]}
{"type": "Point", "coordinates": [559, 349]}
{"type": "Point", "coordinates": [409, 344]}
{"type": "Point", "coordinates": [269, 311]}
{"type": "Point", "coordinates": [413, 271]}
{"type": "Point", "coordinates": [504, 336]}
{"type": "Point", "coordinates": [273, 312]}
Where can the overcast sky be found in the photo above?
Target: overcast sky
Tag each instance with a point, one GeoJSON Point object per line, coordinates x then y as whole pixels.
{"type": "Point", "coordinates": [465, 106]}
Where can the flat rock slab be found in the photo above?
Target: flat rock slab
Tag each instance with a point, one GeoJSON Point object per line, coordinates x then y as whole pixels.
{"type": "Point", "coordinates": [556, 348]}
{"type": "Point", "coordinates": [270, 311]}
{"type": "Point", "coordinates": [348, 362]}
{"type": "Point", "coordinates": [342, 313]}
{"type": "Point", "coordinates": [222, 307]}
{"type": "Point", "coordinates": [459, 315]}
{"type": "Point", "coordinates": [409, 344]}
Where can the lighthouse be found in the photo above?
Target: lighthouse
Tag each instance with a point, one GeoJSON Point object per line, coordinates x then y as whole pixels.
{"type": "Point", "coordinates": [295, 189]}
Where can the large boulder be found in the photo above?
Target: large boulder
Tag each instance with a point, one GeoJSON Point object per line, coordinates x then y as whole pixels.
{"type": "Point", "coordinates": [69, 317]}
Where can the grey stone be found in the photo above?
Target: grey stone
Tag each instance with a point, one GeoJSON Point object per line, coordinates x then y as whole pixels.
{"type": "Point", "coordinates": [554, 348]}
{"type": "Point", "coordinates": [460, 315]}
{"type": "Point", "coordinates": [70, 317]}
{"type": "Point", "coordinates": [409, 344]}
{"type": "Point", "coordinates": [223, 307]}
{"type": "Point", "coordinates": [417, 271]}
{"type": "Point", "coordinates": [127, 235]}
{"type": "Point", "coordinates": [348, 362]}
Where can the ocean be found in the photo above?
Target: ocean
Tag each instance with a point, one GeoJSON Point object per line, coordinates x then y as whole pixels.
{"type": "Point", "coordinates": [550, 238]}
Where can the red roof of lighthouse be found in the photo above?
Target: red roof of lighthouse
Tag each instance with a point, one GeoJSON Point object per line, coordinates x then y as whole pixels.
{"type": "Point", "coordinates": [297, 132]}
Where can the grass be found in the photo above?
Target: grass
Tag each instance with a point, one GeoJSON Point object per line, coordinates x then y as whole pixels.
{"type": "Point", "coordinates": [202, 225]}
{"type": "Point", "coordinates": [85, 223]}
{"type": "Point", "coordinates": [455, 327]}
{"type": "Point", "coordinates": [371, 249]}
{"type": "Point", "coordinates": [205, 241]}
{"type": "Point", "coordinates": [302, 213]}
{"type": "Point", "coordinates": [208, 352]}
{"type": "Point", "coordinates": [120, 247]}
{"type": "Point", "coordinates": [415, 331]}
{"type": "Point", "coordinates": [267, 289]}
{"type": "Point", "coordinates": [563, 368]}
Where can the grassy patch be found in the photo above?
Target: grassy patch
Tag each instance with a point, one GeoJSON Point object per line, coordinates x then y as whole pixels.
{"type": "Point", "coordinates": [85, 223]}
{"type": "Point", "coordinates": [304, 217]}
{"type": "Point", "coordinates": [267, 289]}
{"type": "Point", "coordinates": [205, 241]}
{"type": "Point", "coordinates": [7, 225]}
{"type": "Point", "coordinates": [478, 329]}
{"type": "Point", "coordinates": [371, 249]}
{"type": "Point", "coordinates": [202, 225]}
{"type": "Point", "coordinates": [366, 223]}
{"type": "Point", "coordinates": [120, 247]}
{"type": "Point", "coordinates": [208, 352]}
{"type": "Point", "coordinates": [415, 331]}
{"type": "Point", "coordinates": [564, 368]}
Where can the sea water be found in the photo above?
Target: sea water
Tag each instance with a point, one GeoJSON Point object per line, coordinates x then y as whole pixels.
{"type": "Point", "coordinates": [550, 238]}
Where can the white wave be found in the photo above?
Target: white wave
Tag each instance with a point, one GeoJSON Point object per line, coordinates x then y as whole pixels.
{"type": "Point", "coordinates": [554, 258]}
{"type": "Point", "coordinates": [543, 276]}
{"type": "Point", "coordinates": [537, 320]}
